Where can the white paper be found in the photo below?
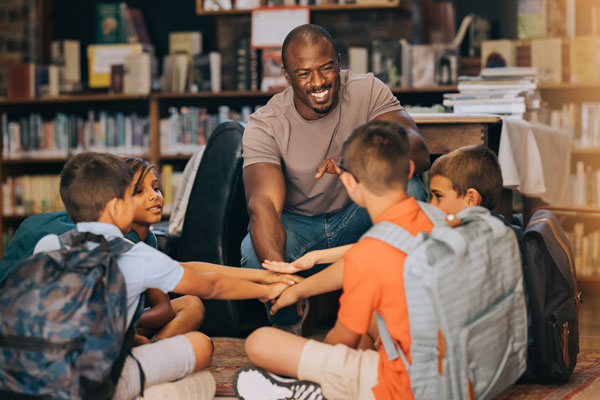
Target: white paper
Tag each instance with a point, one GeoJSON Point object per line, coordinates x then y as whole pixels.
{"type": "Point", "coordinates": [271, 25]}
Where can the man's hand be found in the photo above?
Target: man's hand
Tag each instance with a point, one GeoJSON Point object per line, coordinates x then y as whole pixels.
{"type": "Point", "coordinates": [327, 166]}
{"type": "Point", "coordinates": [281, 278]}
{"type": "Point", "coordinates": [288, 297]}
{"type": "Point", "coordinates": [305, 262]}
{"type": "Point", "coordinates": [274, 290]}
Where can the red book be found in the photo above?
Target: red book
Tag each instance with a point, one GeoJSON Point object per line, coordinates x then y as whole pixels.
{"type": "Point", "coordinates": [21, 81]}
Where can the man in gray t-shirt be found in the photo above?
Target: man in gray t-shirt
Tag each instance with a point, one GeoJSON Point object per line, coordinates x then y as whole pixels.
{"type": "Point", "coordinates": [295, 199]}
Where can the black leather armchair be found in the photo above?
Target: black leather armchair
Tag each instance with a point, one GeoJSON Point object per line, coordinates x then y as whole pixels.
{"type": "Point", "coordinates": [216, 221]}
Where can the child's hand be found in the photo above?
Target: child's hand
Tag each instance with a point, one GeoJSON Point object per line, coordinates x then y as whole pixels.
{"type": "Point", "coordinates": [274, 290]}
{"type": "Point", "coordinates": [288, 297]}
{"type": "Point", "coordinates": [139, 340]}
{"type": "Point", "coordinates": [305, 262]}
{"type": "Point", "coordinates": [281, 278]}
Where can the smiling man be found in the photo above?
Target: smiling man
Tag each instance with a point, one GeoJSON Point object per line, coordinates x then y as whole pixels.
{"type": "Point", "coordinates": [295, 200]}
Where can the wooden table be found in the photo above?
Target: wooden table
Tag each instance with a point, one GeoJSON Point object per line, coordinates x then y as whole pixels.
{"type": "Point", "coordinates": [446, 132]}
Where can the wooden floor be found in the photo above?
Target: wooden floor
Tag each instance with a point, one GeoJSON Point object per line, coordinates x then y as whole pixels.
{"type": "Point", "coordinates": [589, 317]}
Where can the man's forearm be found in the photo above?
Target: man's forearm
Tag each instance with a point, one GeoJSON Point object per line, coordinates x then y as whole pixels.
{"type": "Point", "coordinates": [268, 236]}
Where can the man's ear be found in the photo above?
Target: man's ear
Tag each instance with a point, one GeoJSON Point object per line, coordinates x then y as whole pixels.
{"type": "Point", "coordinates": [411, 169]}
{"type": "Point", "coordinates": [286, 75]}
{"type": "Point", "coordinates": [473, 197]}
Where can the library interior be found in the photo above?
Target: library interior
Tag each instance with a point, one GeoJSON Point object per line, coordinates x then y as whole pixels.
{"type": "Point", "coordinates": [196, 91]}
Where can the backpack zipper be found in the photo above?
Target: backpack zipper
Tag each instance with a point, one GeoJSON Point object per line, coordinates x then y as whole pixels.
{"type": "Point", "coordinates": [565, 332]}
{"type": "Point", "coordinates": [564, 336]}
{"type": "Point", "coordinates": [39, 344]}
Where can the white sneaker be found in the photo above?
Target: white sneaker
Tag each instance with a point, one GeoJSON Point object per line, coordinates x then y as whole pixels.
{"type": "Point", "coordinates": [254, 383]}
{"type": "Point", "coordinates": [296, 327]}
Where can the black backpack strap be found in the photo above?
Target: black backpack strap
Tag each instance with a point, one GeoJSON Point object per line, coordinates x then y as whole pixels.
{"type": "Point", "coordinates": [142, 374]}
{"type": "Point", "coordinates": [115, 373]}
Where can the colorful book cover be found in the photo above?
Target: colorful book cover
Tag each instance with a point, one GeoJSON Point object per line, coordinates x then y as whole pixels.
{"type": "Point", "coordinates": [108, 23]}
{"type": "Point", "coordinates": [531, 19]}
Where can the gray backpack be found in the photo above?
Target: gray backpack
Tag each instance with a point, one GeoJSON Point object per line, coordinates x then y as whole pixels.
{"type": "Point", "coordinates": [466, 307]}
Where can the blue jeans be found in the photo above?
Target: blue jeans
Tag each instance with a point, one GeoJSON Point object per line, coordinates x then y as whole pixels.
{"type": "Point", "coordinates": [304, 234]}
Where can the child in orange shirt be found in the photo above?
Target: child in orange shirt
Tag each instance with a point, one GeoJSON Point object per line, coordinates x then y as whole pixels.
{"type": "Point", "coordinates": [375, 170]}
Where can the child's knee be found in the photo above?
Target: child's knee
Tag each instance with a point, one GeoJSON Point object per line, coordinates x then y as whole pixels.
{"type": "Point", "coordinates": [203, 348]}
{"type": "Point", "coordinates": [256, 342]}
{"type": "Point", "coordinates": [194, 306]}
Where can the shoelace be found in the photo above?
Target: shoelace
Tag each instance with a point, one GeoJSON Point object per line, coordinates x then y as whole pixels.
{"type": "Point", "coordinates": [307, 392]}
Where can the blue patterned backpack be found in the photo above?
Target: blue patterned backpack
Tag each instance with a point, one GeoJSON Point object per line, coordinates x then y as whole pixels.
{"type": "Point", "coordinates": [63, 321]}
{"type": "Point", "coordinates": [466, 307]}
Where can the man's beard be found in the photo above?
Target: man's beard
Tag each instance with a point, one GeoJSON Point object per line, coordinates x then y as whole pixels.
{"type": "Point", "coordinates": [323, 110]}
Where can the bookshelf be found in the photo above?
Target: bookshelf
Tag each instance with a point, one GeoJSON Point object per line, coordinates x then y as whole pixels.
{"type": "Point", "coordinates": [325, 7]}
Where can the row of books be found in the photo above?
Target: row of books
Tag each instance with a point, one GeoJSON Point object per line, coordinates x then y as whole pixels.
{"type": "Point", "coordinates": [507, 91]}
{"type": "Point", "coordinates": [25, 195]}
{"type": "Point", "coordinates": [584, 186]}
{"type": "Point", "coordinates": [63, 134]}
{"type": "Point", "coordinates": [581, 120]}
{"type": "Point", "coordinates": [399, 63]}
{"type": "Point", "coordinates": [586, 249]}
{"type": "Point", "coordinates": [556, 18]}
{"type": "Point", "coordinates": [218, 5]}
{"type": "Point", "coordinates": [171, 182]}
{"type": "Point", "coordinates": [31, 194]}
{"type": "Point", "coordinates": [30, 80]}
{"type": "Point", "coordinates": [118, 23]}
{"type": "Point", "coordinates": [188, 128]}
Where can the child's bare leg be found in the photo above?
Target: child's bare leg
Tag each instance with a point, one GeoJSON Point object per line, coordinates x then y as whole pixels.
{"type": "Point", "coordinates": [189, 315]}
{"type": "Point", "coordinates": [203, 348]}
{"type": "Point", "coordinates": [369, 340]}
{"type": "Point", "coordinates": [275, 350]}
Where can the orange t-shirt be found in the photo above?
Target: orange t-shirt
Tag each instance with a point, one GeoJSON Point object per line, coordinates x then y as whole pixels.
{"type": "Point", "coordinates": [374, 281]}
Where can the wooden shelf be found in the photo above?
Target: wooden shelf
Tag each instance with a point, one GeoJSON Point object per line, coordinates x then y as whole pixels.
{"type": "Point", "coordinates": [35, 160]}
{"type": "Point", "coordinates": [326, 7]}
{"type": "Point", "coordinates": [50, 160]}
{"type": "Point", "coordinates": [175, 157]}
{"type": "Point", "coordinates": [213, 95]}
{"type": "Point", "coordinates": [96, 97]}
{"type": "Point", "coordinates": [15, 217]}
{"type": "Point", "coordinates": [569, 86]}
{"type": "Point", "coordinates": [583, 151]}
{"type": "Point", "coordinates": [426, 89]}
{"type": "Point", "coordinates": [99, 97]}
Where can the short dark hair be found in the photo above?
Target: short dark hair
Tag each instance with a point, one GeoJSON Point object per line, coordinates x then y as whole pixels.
{"type": "Point", "coordinates": [378, 154]}
{"type": "Point", "coordinates": [89, 181]}
{"type": "Point", "coordinates": [141, 166]}
{"type": "Point", "coordinates": [472, 167]}
{"type": "Point", "coordinates": [307, 33]}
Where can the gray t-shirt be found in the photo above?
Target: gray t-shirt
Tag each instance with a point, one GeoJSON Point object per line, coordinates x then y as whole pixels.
{"type": "Point", "coordinates": [277, 134]}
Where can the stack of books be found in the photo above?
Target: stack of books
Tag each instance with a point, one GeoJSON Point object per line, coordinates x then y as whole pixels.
{"type": "Point", "coordinates": [506, 91]}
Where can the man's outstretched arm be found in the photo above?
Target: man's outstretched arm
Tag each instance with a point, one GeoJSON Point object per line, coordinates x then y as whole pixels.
{"type": "Point", "coordinates": [419, 152]}
{"type": "Point", "coordinates": [265, 195]}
